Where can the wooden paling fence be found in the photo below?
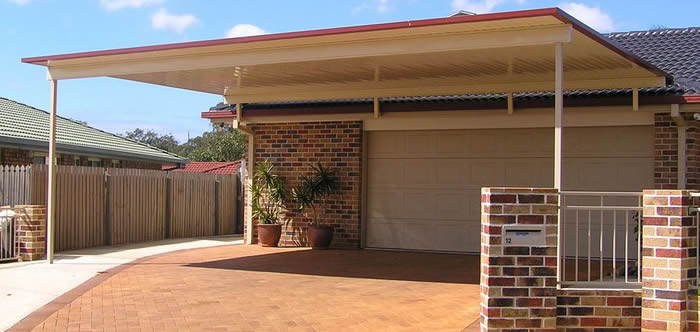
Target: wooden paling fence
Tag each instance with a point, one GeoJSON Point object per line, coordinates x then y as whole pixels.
{"type": "Point", "coordinates": [98, 206]}
{"type": "Point", "coordinates": [14, 185]}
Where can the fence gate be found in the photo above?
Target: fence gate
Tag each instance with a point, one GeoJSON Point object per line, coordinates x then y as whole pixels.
{"type": "Point", "coordinates": [9, 246]}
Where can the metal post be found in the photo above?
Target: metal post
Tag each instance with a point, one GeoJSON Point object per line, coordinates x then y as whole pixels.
{"type": "Point", "coordinates": [51, 199]}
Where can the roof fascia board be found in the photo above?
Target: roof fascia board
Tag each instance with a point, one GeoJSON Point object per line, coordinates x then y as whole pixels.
{"type": "Point", "coordinates": [80, 150]}
{"type": "Point", "coordinates": [408, 44]}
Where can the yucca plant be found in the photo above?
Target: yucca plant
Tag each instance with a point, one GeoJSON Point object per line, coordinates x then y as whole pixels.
{"type": "Point", "coordinates": [314, 189]}
{"type": "Point", "coordinates": [268, 194]}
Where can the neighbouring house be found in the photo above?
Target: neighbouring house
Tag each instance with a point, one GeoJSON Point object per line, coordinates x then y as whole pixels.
{"type": "Point", "coordinates": [448, 133]}
{"type": "Point", "coordinates": [24, 141]}
{"type": "Point", "coordinates": [211, 167]}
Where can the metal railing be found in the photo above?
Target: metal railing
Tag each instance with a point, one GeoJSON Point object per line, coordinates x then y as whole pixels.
{"type": "Point", "coordinates": [9, 244]}
{"type": "Point", "coordinates": [600, 239]}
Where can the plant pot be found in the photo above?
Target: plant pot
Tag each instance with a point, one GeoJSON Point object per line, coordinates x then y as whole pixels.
{"type": "Point", "coordinates": [269, 234]}
{"type": "Point", "coordinates": [320, 236]}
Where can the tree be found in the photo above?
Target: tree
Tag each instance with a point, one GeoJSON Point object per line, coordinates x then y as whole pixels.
{"type": "Point", "coordinates": [225, 145]}
{"type": "Point", "coordinates": [165, 142]}
{"type": "Point", "coordinates": [215, 146]}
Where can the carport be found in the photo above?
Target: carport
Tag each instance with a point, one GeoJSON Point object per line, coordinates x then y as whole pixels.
{"type": "Point", "coordinates": [504, 53]}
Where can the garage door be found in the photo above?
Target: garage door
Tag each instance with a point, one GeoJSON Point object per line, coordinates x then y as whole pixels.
{"type": "Point", "coordinates": [424, 186]}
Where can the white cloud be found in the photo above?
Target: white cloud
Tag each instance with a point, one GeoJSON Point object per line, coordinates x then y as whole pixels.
{"type": "Point", "coordinates": [478, 6]}
{"type": "Point", "coordinates": [20, 2]}
{"type": "Point", "coordinates": [592, 16]}
{"type": "Point", "coordinates": [162, 20]}
{"type": "Point", "coordinates": [380, 6]}
{"type": "Point", "coordinates": [243, 30]}
{"type": "Point", "coordinates": [119, 4]}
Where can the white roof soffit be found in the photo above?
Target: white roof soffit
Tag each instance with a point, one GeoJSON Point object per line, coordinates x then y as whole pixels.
{"type": "Point", "coordinates": [492, 53]}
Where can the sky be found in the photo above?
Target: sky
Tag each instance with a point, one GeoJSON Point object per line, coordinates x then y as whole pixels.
{"type": "Point", "coordinates": [45, 27]}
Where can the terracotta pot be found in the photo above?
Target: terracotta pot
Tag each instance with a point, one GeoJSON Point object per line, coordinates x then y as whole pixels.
{"type": "Point", "coordinates": [320, 236]}
{"type": "Point", "coordinates": [269, 234]}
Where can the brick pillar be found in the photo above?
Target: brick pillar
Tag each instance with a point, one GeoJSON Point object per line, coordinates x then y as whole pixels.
{"type": "Point", "coordinates": [518, 282]}
{"type": "Point", "coordinates": [669, 262]}
{"type": "Point", "coordinates": [31, 234]}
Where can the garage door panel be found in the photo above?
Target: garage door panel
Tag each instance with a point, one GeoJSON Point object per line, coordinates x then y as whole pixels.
{"type": "Point", "coordinates": [385, 204]}
{"type": "Point", "coordinates": [424, 186]}
{"type": "Point", "coordinates": [452, 143]}
{"type": "Point", "coordinates": [452, 173]}
{"type": "Point", "coordinates": [420, 172]}
{"type": "Point", "coordinates": [487, 171]}
{"type": "Point", "coordinates": [451, 205]}
{"type": "Point", "coordinates": [386, 172]}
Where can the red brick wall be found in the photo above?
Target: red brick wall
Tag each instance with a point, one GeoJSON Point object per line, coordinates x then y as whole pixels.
{"type": "Point", "coordinates": [666, 152]}
{"type": "Point", "coordinates": [518, 283]}
{"type": "Point", "coordinates": [136, 164]}
{"type": "Point", "coordinates": [24, 157]}
{"type": "Point", "coordinates": [15, 157]}
{"type": "Point", "coordinates": [593, 310]}
{"type": "Point", "coordinates": [293, 147]}
{"type": "Point", "coordinates": [693, 154]}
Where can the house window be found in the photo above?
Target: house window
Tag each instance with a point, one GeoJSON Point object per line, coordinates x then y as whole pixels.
{"type": "Point", "coordinates": [116, 164]}
{"type": "Point", "coordinates": [94, 162]}
{"type": "Point", "coordinates": [39, 158]}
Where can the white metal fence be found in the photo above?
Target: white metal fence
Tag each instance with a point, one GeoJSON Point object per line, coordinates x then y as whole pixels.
{"type": "Point", "coordinates": [9, 246]}
{"type": "Point", "coordinates": [600, 239]}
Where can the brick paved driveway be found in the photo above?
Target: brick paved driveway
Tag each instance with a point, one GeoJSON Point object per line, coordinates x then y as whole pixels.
{"type": "Point", "coordinates": [249, 288]}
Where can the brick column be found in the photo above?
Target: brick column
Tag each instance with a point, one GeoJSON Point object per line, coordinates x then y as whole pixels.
{"type": "Point", "coordinates": [518, 282]}
{"type": "Point", "coordinates": [31, 233]}
{"type": "Point", "coordinates": [669, 264]}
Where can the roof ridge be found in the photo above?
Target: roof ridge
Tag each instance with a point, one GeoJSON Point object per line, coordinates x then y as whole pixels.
{"type": "Point", "coordinates": [91, 127]}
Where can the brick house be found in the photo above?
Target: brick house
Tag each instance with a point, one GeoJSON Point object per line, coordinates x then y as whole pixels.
{"type": "Point", "coordinates": [24, 141]}
{"type": "Point", "coordinates": [449, 133]}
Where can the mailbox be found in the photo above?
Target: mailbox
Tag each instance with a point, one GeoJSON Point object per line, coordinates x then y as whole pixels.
{"type": "Point", "coordinates": [523, 235]}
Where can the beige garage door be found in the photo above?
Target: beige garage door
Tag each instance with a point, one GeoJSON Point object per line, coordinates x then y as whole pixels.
{"type": "Point", "coordinates": [424, 186]}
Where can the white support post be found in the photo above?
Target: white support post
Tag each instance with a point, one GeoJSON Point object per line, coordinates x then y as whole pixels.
{"type": "Point", "coordinates": [51, 199]}
{"type": "Point", "coordinates": [558, 113]}
{"type": "Point", "coordinates": [248, 183]}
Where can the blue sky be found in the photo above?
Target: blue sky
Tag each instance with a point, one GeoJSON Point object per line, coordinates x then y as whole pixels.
{"type": "Point", "coordinates": [44, 27]}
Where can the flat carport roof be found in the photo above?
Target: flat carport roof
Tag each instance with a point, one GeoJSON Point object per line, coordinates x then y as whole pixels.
{"type": "Point", "coordinates": [522, 51]}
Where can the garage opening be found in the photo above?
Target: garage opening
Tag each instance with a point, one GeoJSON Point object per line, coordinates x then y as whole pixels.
{"type": "Point", "coordinates": [424, 187]}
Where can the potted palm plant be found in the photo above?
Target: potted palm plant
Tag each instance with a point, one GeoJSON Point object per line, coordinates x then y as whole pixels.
{"type": "Point", "coordinates": [313, 191]}
{"type": "Point", "coordinates": [268, 194]}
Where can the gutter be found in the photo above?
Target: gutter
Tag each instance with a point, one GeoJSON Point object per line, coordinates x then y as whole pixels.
{"type": "Point", "coordinates": [12, 142]}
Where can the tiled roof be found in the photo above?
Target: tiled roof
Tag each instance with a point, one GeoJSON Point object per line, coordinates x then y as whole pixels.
{"type": "Point", "coordinates": [675, 51]}
{"type": "Point", "coordinates": [21, 124]}
{"type": "Point", "coordinates": [212, 167]}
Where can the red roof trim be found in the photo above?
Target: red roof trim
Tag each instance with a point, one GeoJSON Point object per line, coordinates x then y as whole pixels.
{"type": "Point", "coordinates": [300, 34]}
{"type": "Point", "coordinates": [692, 99]}
{"type": "Point", "coordinates": [218, 114]}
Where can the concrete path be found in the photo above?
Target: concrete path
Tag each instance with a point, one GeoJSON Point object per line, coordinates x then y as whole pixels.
{"type": "Point", "coordinates": [27, 286]}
